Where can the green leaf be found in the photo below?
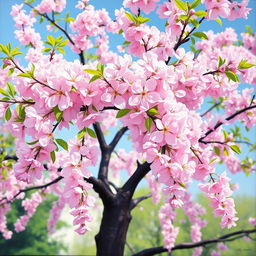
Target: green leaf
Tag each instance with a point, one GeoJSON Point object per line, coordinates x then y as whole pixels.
{"type": "Point", "coordinates": [194, 22]}
{"type": "Point", "coordinates": [181, 5]}
{"type": "Point", "coordinates": [8, 114]}
{"type": "Point", "coordinates": [193, 49]}
{"type": "Point", "coordinates": [100, 68]}
{"type": "Point", "coordinates": [130, 17]}
{"type": "Point", "coordinates": [92, 72]}
{"type": "Point", "coordinates": [225, 151]}
{"type": "Point", "coordinates": [94, 78]}
{"type": "Point", "coordinates": [25, 75]}
{"type": "Point", "coordinates": [216, 150]}
{"type": "Point", "coordinates": [148, 123]}
{"type": "Point", "coordinates": [152, 111]}
{"type": "Point", "coordinates": [81, 134]}
{"type": "Point", "coordinates": [53, 156]}
{"type": "Point", "coordinates": [62, 143]}
{"type": "Point", "coordinates": [126, 42]}
{"type": "Point", "coordinates": [200, 35]}
{"type": "Point", "coordinates": [46, 49]}
{"type": "Point", "coordinates": [69, 19]}
{"type": "Point", "coordinates": [94, 108]}
{"type": "Point", "coordinates": [142, 19]}
{"type": "Point", "coordinates": [221, 62]}
{"type": "Point", "coordinates": [41, 19]}
{"type": "Point", "coordinates": [10, 71]}
{"type": "Point", "coordinates": [249, 30]}
{"type": "Point", "coordinates": [213, 160]}
{"type": "Point", "coordinates": [51, 40]}
{"type": "Point", "coordinates": [61, 50]}
{"type": "Point", "coordinates": [195, 3]}
{"type": "Point", "coordinates": [11, 89]}
{"type": "Point", "coordinates": [182, 185]}
{"type": "Point", "coordinates": [4, 174]}
{"type": "Point", "coordinates": [232, 76]}
{"type": "Point", "coordinates": [236, 148]}
{"type": "Point", "coordinates": [91, 133]}
{"type": "Point", "coordinates": [219, 21]}
{"type": "Point", "coordinates": [200, 13]}
{"type": "Point", "coordinates": [120, 32]}
{"type": "Point", "coordinates": [193, 41]}
{"type": "Point", "coordinates": [122, 112]}
{"type": "Point", "coordinates": [58, 114]}
{"type": "Point", "coordinates": [183, 17]}
{"type": "Point", "coordinates": [243, 64]}
{"type": "Point", "coordinates": [63, 43]}
{"type": "Point", "coordinates": [32, 142]}
{"type": "Point", "coordinates": [225, 135]}
{"type": "Point", "coordinates": [21, 112]}
{"type": "Point", "coordinates": [3, 92]}
{"type": "Point", "coordinates": [58, 39]}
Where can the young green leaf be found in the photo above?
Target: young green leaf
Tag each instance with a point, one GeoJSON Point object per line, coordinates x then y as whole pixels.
{"type": "Point", "coordinates": [221, 62]}
{"type": "Point", "coordinates": [122, 112]}
{"type": "Point", "coordinates": [91, 133]}
{"type": "Point", "coordinates": [11, 89]}
{"type": "Point", "coordinates": [94, 78]}
{"type": "Point", "coordinates": [58, 114]}
{"type": "Point", "coordinates": [3, 92]}
{"type": "Point", "coordinates": [62, 51]}
{"type": "Point", "coordinates": [194, 22]}
{"type": "Point", "coordinates": [152, 111]}
{"type": "Point", "coordinates": [243, 64]}
{"type": "Point", "coordinates": [200, 35]}
{"type": "Point", "coordinates": [236, 149]}
{"type": "Point", "coordinates": [148, 123]}
{"type": "Point", "coordinates": [232, 76]}
{"type": "Point", "coordinates": [8, 114]}
{"type": "Point", "coordinates": [217, 150]}
{"type": "Point", "coordinates": [225, 151]}
{"type": "Point", "coordinates": [53, 156]}
{"type": "Point", "coordinates": [200, 13]}
{"type": "Point", "coordinates": [32, 142]}
{"type": "Point", "coordinates": [62, 143]}
{"type": "Point", "coordinates": [195, 3]}
{"type": "Point", "coordinates": [81, 134]}
{"type": "Point", "coordinates": [219, 21]}
{"type": "Point", "coordinates": [92, 72]}
{"type": "Point", "coordinates": [51, 40]}
{"type": "Point", "coordinates": [225, 135]}
{"type": "Point", "coordinates": [181, 5]}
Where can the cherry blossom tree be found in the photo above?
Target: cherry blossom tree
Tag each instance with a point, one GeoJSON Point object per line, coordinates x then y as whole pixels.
{"type": "Point", "coordinates": [154, 89]}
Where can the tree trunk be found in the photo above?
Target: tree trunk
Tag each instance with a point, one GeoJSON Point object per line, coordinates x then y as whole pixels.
{"type": "Point", "coordinates": [110, 240]}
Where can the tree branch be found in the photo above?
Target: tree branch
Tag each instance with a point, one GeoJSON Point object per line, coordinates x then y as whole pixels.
{"type": "Point", "coordinates": [225, 238]}
{"type": "Point", "coordinates": [185, 39]}
{"type": "Point", "coordinates": [100, 136]}
{"type": "Point", "coordinates": [81, 54]}
{"type": "Point", "coordinates": [135, 179]}
{"type": "Point", "coordinates": [102, 189]}
{"type": "Point", "coordinates": [136, 201]}
{"type": "Point", "coordinates": [211, 108]}
{"type": "Point", "coordinates": [32, 188]}
{"type": "Point", "coordinates": [227, 119]}
{"type": "Point", "coordinates": [117, 137]}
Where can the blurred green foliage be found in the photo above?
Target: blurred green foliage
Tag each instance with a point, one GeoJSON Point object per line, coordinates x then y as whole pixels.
{"type": "Point", "coordinates": [34, 240]}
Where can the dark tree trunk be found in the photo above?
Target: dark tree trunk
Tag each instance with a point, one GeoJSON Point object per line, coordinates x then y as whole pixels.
{"type": "Point", "coordinates": [110, 240]}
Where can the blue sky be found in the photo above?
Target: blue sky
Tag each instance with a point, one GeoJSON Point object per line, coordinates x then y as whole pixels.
{"type": "Point", "coordinates": [247, 184]}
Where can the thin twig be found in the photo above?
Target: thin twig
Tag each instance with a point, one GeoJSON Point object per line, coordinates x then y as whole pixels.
{"type": "Point", "coordinates": [227, 119]}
